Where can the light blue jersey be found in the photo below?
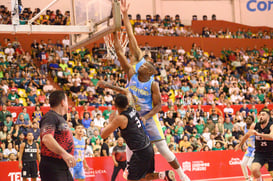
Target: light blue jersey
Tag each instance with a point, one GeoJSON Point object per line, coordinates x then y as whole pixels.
{"type": "Point", "coordinates": [142, 94]}
{"type": "Point", "coordinates": [79, 146]}
{"type": "Point", "coordinates": [251, 145]}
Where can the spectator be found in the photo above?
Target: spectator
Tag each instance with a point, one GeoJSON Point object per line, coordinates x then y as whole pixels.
{"type": "Point", "coordinates": [95, 112]}
{"type": "Point", "coordinates": [229, 112]}
{"type": "Point", "coordinates": [210, 125]}
{"type": "Point", "coordinates": [9, 124]}
{"type": "Point", "coordinates": [184, 143]}
{"type": "Point", "coordinates": [18, 141]}
{"type": "Point", "coordinates": [106, 113]}
{"type": "Point", "coordinates": [37, 114]}
{"type": "Point", "coordinates": [25, 114]}
{"type": "Point", "coordinates": [23, 124]}
{"type": "Point", "coordinates": [3, 114]}
{"type": "Point", "coordinates": [244, 109]}
{"type": "Point", "coordinates": [105, 148]}
{"type": "Point", "coordinates": [9, 150]}
{"type": "Point", "coordinates": [86, 120]}
{"type": "Point", "coordinates": [99, 121]}
{"type": "Point", "coordinates": [189, 127]}
{"type": "Point", "coordinates": [228, 124]}
{"type": "Point", "coordinates": [35, 130]}
{"type": "Point", "coordinates": [12, 97]}
{"type": "Point", "coordinates": [32, 99]}
{"type": "Point", "coordinates": [169, 121]}
{"type": "Point", "coordinates": [214, 116]}
{"type": "Point", "coordinates": [92, 140]}
{"type": "Point", "coordinates": [90, 131]}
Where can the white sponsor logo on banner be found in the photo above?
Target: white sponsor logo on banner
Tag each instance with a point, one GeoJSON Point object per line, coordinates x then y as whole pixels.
{"type": "Point", "coordinates": [93, 173]}
{"type": "Point", "coordinates": [235, 161]}
{"type": "Point", "coordinates": [195, 166]}
{"type": "Point", "coordinates": [16, 176]}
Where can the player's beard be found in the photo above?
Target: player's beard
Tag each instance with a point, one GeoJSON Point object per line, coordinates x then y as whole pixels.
{"type": "Point", "coordinates": [262, 121]}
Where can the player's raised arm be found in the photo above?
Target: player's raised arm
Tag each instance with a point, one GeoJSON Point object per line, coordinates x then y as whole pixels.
{"type": "Point", "coordinates": [120, 90]}
{"type": "Point", "coordinates": [134, 48]}
{"type": "Point", "coordinates": [156, 96]}
{"type": "Point", "coordinates": [126, 66]}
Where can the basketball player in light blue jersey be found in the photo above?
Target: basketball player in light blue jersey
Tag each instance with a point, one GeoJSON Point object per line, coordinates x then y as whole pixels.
{"type": "Point", "coordinates": [145, 91]}
{"type": "Point", "coordinates": [81, 165]}
{"type": "Point", "coordinates": [249, 155]}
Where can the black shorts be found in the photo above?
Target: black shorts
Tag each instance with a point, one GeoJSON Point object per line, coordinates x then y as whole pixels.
{"type": "Point", "coordinates": [263, 159]}
{"type": "Point", "coordinates": [52, 169]}
{"type": "Point", "coordinates": [29, 170]}
{"type": "Point", "coordinates": [141, 163]}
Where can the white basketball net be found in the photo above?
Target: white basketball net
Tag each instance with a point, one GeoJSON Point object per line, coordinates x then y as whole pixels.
{"type": "Point", "coordinates": [109, 41]}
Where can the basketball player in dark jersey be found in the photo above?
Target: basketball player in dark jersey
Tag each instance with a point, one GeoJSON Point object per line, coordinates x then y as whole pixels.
{"type": "Point", "coordinates": [57, 146]}
{"type": "Point", "coordinates": [142, 161]}
{"type": "Point", "coordinates": [29, 153]}
{"type": "Point", "coordinates": [263, 131]}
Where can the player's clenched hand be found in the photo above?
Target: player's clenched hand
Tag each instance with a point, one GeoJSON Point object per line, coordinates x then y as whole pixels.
{"type": "Point", "coordinates": [69, 160]}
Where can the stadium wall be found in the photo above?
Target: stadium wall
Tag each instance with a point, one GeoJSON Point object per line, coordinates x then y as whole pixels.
{"type": "Point", "coordinates": [207, 44]}
{"type": "Point", "coordinates": [205, 166]}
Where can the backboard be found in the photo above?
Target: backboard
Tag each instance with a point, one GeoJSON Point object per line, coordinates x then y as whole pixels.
{"type": "Point", "coordinates": [90, 19]}
{"type": "Point", "coordinates": [102, 16]}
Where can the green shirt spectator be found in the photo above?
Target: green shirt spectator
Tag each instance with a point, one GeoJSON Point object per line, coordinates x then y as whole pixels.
{"type": "Point", "coordinates": [3, 113]}
{"type": "Point", "coordinates": [94, 80]}
{"type": "Point", "coordinates": [106, 113]}
{"type": "Point", "coordinates": [200, 128]}
{"type": "Point", "coordinates": [228, 124]}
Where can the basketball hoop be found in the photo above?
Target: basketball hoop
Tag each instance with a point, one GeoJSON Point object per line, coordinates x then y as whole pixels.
{"type": "Point", "coordinates": [109, 41]}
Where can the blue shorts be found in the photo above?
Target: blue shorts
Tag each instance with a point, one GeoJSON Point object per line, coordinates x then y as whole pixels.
{"type": "Point", "coordinates": [78, 171]}
{"type": "Point", "coordinates": [153, 129]}
{"type": "Point", "coordinates": [250, 152]}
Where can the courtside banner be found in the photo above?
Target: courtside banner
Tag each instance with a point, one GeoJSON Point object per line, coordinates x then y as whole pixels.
{"type": "Point", "coordinates": [212, 165]}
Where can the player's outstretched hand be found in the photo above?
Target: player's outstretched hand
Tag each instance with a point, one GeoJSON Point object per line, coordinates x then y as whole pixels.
{"type": "Point", "coordinates": [69, 160]}
{"type": "Point", "coordinates": [124, 6]}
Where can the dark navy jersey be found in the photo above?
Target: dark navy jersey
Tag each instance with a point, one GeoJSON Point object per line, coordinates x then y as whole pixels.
{"type": "Point", "coordinates": [54, 124]}
{"type": "Point", "coordinates": [30, 152]}
{"type": "Point", "coordinates": [134, 134]}
{"type": "Point", "coordinates": [261, 145]}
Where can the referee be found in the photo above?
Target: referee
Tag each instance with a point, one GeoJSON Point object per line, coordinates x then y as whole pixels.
{"type": "Point", "coordinates": [57, 146]}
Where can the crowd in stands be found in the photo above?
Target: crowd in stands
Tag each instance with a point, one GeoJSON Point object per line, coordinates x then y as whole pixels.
{"type": "Point", "coordinates": [237, 77]}
{"type": "Point", "coordinates": [47, 18]}
{"type": "Point", "coordinates": [154, 26]}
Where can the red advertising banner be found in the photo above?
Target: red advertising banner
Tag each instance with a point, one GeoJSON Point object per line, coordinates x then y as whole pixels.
{"type": "Point", "coordinates": [16, 110]}
{"type": "Point", "coordinates": [212, 165]}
